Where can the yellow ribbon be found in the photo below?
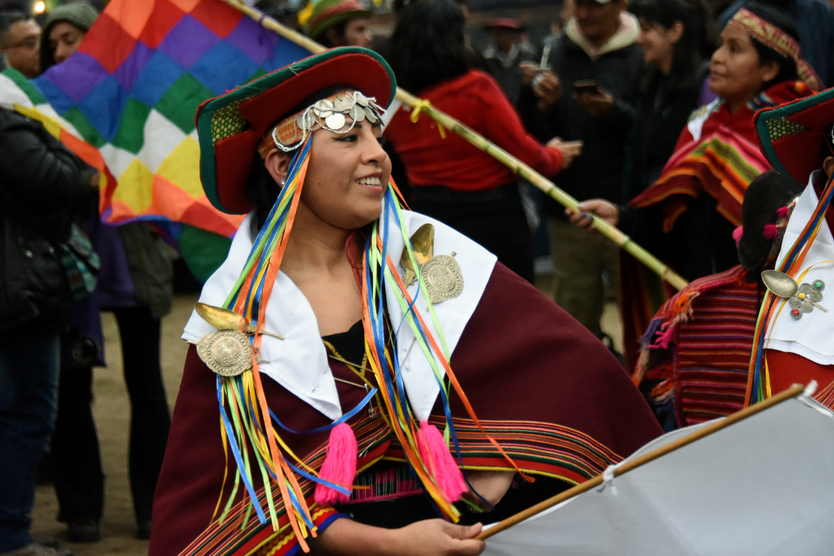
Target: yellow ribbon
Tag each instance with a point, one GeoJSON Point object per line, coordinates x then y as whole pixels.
{"type": "Point", "coordinates": [415, 114]}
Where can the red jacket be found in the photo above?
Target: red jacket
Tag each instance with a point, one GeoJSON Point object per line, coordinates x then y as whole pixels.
{"type": "Point", "coordinates": [476, 100]}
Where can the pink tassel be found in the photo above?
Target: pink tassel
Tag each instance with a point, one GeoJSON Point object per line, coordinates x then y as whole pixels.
{"type": "Point", "coordinates": [783, 212]}
{"type": "Point", "coordinates": [665, 338]}
{"type": "Point", "coordinates": [737, 235]}
{"type": "Point", "coordinates": [339, 466]}
{"type": "Point", "coordinates": [437, 457]}
{"type": "Point", "coordinates": [770, 232]}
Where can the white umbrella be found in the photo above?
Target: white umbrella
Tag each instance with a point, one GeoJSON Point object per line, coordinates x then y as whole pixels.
{"type": "Point", "coordinates": [762, 485]}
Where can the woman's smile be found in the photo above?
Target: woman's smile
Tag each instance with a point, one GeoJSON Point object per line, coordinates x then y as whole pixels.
{"type": "Point", "coordinates": [373, 182]}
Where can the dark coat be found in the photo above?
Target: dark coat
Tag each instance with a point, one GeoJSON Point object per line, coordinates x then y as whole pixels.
{"type": "Point", "coordinates": [662, 110]}
{"type": "Point", "coordinates": [598, 171]}
{"type": "Point", "coordinates": [39, 182]}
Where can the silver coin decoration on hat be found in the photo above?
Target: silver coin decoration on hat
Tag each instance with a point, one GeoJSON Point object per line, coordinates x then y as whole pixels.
{"type": "Point", "coordinates": [332, 115]}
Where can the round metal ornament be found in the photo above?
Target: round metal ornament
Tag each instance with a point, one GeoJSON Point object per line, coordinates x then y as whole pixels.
{"type": "Point", "coordinates": [341, 104]}
{"type": "Point", "coordinates": [335, 120]}
{"type": "Point", "coordinates": [226, 352]}
{"type": "Point", "coordinates": [357, 113]}
{"type": "Point", "coordinates": [443, 278]}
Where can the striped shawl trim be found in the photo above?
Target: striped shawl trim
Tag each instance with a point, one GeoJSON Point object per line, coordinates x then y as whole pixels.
{"type": "Point", "coordinates": [538, 449]}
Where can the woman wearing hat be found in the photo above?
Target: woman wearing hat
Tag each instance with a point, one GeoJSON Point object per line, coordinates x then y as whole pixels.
{"type": "Point", "coordinates": [794, 336]}
{"type": "Point", "coordinates": [340, 23]}
{"type": "Point", "coordinates": [388, 351]}
{"type": "Point", "coordinates": [695, 355]}
{"type": "Point", "coordinates": [688, 215]}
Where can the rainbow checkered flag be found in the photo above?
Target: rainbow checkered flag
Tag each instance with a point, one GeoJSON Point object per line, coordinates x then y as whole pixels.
{"type": "Point", "coordinates": [125, 103]}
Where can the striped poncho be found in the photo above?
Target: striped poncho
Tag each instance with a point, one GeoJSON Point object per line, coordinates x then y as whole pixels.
{"type": "Point", "coordinates": [697, 348]}
{"type": "Point", "coordinates": [716, 154]}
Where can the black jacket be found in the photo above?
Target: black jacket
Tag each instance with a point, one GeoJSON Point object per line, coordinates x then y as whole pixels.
{"type": "Point", "coordinates": [598, 171]}
{"type": "Point", "coordinates": [40, 180]}
{"type": "Point", "coordinates": [663, 107]}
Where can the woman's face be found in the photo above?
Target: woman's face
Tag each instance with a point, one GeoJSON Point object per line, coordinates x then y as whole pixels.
{"type": "Point", "coordinates": [658, 43]}
{"type": "Point", "coordinates": [736, 74]}
{"type": "Point", "coordinates": [347, 176]}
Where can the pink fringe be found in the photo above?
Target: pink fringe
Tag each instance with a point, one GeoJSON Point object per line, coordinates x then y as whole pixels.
{"type": "Point", "coordinates": [665, 338]}
{"type": "Point", "coordinates": [783, 212]}
{"type": "Point", "coordinates": [339, 466]}
{"type": "Point", "coordinates": [737, 235]}
{"type": "Point", "coordinates": [435, 454]}
{"type": "Point", "coordinates": [770, 232]}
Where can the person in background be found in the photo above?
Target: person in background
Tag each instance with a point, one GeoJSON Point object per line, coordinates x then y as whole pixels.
{"type": "Point", "coordinates": [41, 182]}
{"type": "Point", "coordinates": [508, 47]}
{"type": "Point", "coordinates": [675, 39]}
{"type": "Point", "coordinates": [19, 36]}
{"type": "Point", "coordinates": [695, 354]}
{"type": "Point", "coordinates": [687, 216]}
{"type": "Point", "coordinates": [585, 90]}
{"type": "Point", "coordinates": [340, 23]}
{"type": "Point", "coordinates": [135, 283]}
{"type": "Point", "coordinates": [451, 179]}
{"type": "Point", "coordinates": [711, 327]}
{"type": "Point", "coordinates": [814, 20]}
{"type": "Point", "coordinates": [798, 139]}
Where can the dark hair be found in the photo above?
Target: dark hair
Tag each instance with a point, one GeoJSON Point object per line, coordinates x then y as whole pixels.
{"type": "Point", "coordinates": [338, 28]}
{"type": "Point", "coordinates": [428, 45]}
{"type": "Point", "coordinates": [787, 66]}
{"type": "Point", "coordinates": [9, 18]}
{"type": "Point", "coordinates": [698, 39]}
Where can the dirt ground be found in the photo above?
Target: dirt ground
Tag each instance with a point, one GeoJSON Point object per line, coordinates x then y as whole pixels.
{"type": "Point", "coordinates": [111, 412]}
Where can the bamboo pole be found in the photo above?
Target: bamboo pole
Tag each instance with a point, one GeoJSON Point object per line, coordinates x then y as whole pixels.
{"type": "Point", "coordinates": [518, 167]}
{"type": "Point", "coordinates": [627, 466]}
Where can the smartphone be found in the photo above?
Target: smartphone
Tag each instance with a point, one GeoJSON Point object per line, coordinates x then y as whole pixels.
{"type": "Point", "coordinates": [586, 86]}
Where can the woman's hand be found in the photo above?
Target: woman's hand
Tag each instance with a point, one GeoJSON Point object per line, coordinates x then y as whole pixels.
{"type": "Point", "coordinates": [431, 537]}
{"type": "Point", "coordinates": [568, 149]}
{"type": "Point", "coordinates": [599, 208]}
{"type": "Point", "coordinates": [597, 103]}
{"type": "Point", "coordinates": [435, 537]}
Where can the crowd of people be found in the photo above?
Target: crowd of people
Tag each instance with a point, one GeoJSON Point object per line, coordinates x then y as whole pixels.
{"type": "Point", "coordinates": [393, 343]}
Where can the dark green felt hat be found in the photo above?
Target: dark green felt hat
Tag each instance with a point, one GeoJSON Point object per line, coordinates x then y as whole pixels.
{"type": "Point", "coordinates": [231, 126]}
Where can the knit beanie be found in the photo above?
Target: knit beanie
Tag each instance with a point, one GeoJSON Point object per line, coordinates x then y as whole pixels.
{"type": "Point", "coordinates": [80, 14]}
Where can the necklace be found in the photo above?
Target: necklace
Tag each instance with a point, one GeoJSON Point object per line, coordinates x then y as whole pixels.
{"type": "Point", "coordinates": [358, 370]}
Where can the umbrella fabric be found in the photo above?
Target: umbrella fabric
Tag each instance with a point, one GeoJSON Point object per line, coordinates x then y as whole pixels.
{"type": "Point", "coordinates": [760, 486]}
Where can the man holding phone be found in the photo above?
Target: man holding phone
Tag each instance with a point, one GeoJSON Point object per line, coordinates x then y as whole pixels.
{"type": "Point", "coordinates": [583, 89]}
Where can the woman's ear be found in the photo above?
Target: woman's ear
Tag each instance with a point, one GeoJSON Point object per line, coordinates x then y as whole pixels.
{"type": "Point", "coordinates": [828, 166]}
{"type": "Point", "coordinates": [769, 70]}
{"type": "Point", "coordinates": [675, 32]}
{"type": "Point", "coordinates": [277, 163]}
